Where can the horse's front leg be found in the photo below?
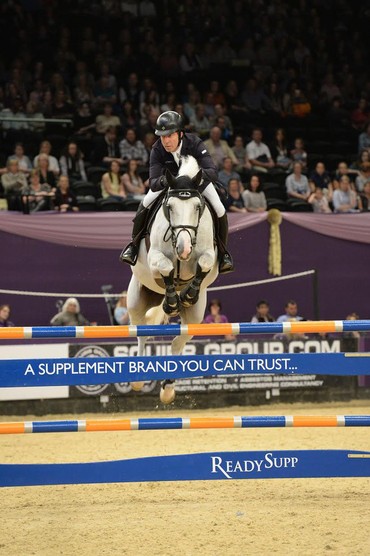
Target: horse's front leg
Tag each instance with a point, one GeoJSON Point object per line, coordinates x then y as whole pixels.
{"type": "Point", "coordinates": [190, 294]}
{"type": "Point", "coordinates": [162, 266]}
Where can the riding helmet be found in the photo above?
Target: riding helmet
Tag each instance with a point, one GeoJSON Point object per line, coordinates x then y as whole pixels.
{"type": "Point", "coordinates": [168, 122]}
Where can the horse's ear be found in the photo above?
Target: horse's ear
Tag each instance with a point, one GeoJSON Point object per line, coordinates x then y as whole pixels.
{"type": "Point", "coordinates": [170, 178]}
{"type": "Point", "coordinates": [198, 178]}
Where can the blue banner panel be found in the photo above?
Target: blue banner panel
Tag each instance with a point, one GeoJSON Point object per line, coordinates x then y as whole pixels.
{"type": "Point", "coordinates": [287, 464]}
{"type": "Point", "coordinates": [108, 370]}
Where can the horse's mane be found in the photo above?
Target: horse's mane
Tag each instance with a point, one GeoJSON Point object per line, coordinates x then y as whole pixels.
{"type": "Point", "coordinates": [189, 167]}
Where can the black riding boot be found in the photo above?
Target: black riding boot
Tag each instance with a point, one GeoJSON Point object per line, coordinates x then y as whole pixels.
{"type": "Point", "coordinates": [226, 263]}
{"type": "Point", "coordinates": [130, 253]}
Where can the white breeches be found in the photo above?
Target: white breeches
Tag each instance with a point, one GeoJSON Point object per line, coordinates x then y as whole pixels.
{"type": "Point", "coordinates": [212, 197]}
{"type": "Point", "coordinates": [209, 193]}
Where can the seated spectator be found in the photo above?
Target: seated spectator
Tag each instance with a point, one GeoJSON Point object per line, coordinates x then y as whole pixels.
{"type": "Point", "coordinates": [72, 164]}
{"type": "Point", "coordinates": [234, 201]}
{"type": "Point", "coordinates": [296, 184]}
{"type": "Point", "coordinates": [291, 313]}
{"type": "Point", "coordinates": [103, 93]}
{"type": "Point", "coordinates": [344, 198]}
{"type": "Point", "coordinates": [344, 170]}
{"type": "Point", "coordinates": [262, 312]}
{"type": "Point", "coordinates": [254, 199]}
{"type": "Point", "coordinates": [353, 333]}
{"type": "Point", "coordinates": [363, 159]}
{"type": "Point", "coordinates": [106, 119]}
{"type": "Point", "coordinates": [46, 175]}
{"type": "Point", "coordinates": [132, 148]}
{"type": "Point", "coordinates": [61, 107]}
{"type": "Point", "coordinates": [227, 173]}
{"type": "Point", "coordinates": [215, 316]}
{"type": "Point", "coordinates": [132, 182]}
{"type": "Point", "coordinates": [364, 139]}
{"type": "Point", "coordinates": [4, 315]}
{"type": "Point", "coordinates": [300, 106]}
{"type": "Point", "coordinates": [36, 197]}
{"type": "Point", "coordinates": [254, 98]}
{"type": "Point", "coordinates": [129, 118]}
{"type": "Point", "coordinates": [111, 183]}
{"type": "Point", "coordinates": [107, 149]}
{"type": "Point", "coordinates": [65, 200]}
{"type": "Point", "coordinates": [84, 121]}
{"type": "Point", "coordinates": [227, 125]}
{"type": "Point", "coordinates": [189, 60]}
{"type": "Point", "coordinates": [365, 197]}
{"type": "Point", "coordinates": [13, 182]}
{"type": "Point", "coordinates": [319, 201]}
{"type": "Point", "coordinates": [360, 115]}
{"type": "Point", "coordinates": [218, 148]}
{"type": "Point", "coordinates": [121, 315]}
{"type": "Point", "coordinates": [243, 165]}
{"type": "Point", "coordinates": [24, 163]}
{"type": "Point", "coordinates": [199, 123]}
{"type": "Point", "coordinates": [280, 152]}
{"type": "Point", "coordinates": [45, 148]}
{"type": "Point", "coordinates": [258, 153]}
{"type": "Point", "coordinates": [70, 315]}
{"type": "Point", "coordinates": [14, 115]}
{"type": "Point", "coordinates": [320, 179]}
{"type": "Point", "coordinates": [363, 176]}
{"type": "Point", "coordinates": [299, 154]}
{"type": "Point", "coordinates": [275, 100]}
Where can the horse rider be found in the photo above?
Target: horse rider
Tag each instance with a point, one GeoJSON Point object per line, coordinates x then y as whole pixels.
{"type": "Point", "coordinates": [166, 153]}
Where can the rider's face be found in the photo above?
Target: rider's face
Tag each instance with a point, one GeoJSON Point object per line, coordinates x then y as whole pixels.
{"type": "Point", "coordinates": [170, 142]}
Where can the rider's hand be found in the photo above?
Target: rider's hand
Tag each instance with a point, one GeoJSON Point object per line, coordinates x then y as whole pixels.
{"type": "Point", "coordinates": [164, 182]}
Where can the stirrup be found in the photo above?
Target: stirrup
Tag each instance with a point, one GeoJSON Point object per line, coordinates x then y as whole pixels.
{"type": "Point", "coordinates": [129, 255]}
{"type": "Point", "coordinates": [226, 264]}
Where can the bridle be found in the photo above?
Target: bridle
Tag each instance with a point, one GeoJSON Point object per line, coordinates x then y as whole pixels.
{"type": "Point", "coordinates": [172, 231]}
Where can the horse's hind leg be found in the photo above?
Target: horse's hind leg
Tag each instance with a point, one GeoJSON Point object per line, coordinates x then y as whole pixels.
{"type": "Point", "coordinates": [193, 314]}
{"type": "Point", "coordinates": [144, 308]}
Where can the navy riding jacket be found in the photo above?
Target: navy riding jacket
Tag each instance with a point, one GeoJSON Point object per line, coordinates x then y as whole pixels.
{"type": "Point", "coordinates": [160, 160]}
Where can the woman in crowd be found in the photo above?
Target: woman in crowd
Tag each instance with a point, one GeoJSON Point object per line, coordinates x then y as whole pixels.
{"type": "Point", "coordinates": [280, 152]}
{"type": "Point", "coordinates": [70, 315]}
{"type": "Point", "coordinates": [24, 163]}
{"type": "Point", "coordinates": [72, 164]}
{"type": "Point", "coordinates": [234, 201]}
{"type": "Point", "coordinates": [65, 200]}
{"type": "Point", "coordinates": [45, 174]}
{"type": "Point", "coordinates": [36, 196]}
{"type": "Point", "coordinates": [131, 180]}
{"type": "Point", "coordinates": [121, 315]}
{"type": "Point", "coordinates": [4, 315]}
{"type": "Point", "coordinates": [320, 179]}
{"type": "Point", "coordinates": [216, 316]}
{"type": "Point", "coordinates": [254, 199]}
{"type": "Point", "coordinates": [111, 182]}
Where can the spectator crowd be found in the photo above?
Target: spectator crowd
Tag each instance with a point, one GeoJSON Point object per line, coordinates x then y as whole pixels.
{"type": "Point", "coordinates": [278, 92]}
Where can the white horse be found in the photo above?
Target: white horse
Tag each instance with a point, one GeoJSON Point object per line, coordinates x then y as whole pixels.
{"type": "Point", "coordinates": [171, 276]}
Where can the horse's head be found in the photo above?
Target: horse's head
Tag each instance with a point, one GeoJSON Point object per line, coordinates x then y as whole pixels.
{"type": "Point", "coordinates": [183, 208]}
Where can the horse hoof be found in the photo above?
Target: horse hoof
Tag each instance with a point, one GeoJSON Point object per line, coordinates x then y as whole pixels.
{"type": "Point", "coordinates": [171, 310]}
{"type": "Point", "coordinates": [167, 393]}
{"type": "Point", "coordinates": [137, 386]}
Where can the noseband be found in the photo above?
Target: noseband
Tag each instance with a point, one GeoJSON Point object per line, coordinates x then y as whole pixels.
{"type": "Point", "coordinates": [174, 231]}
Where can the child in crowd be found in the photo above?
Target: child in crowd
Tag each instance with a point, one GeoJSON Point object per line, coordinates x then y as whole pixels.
{"type": "Point", "coordinates": [319, 202]}
{"type": "Point", "coordinates": [262, 312]}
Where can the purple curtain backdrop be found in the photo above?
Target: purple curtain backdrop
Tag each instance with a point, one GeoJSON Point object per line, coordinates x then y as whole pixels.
{"type": "Point", "coordinates": [343, 266]}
